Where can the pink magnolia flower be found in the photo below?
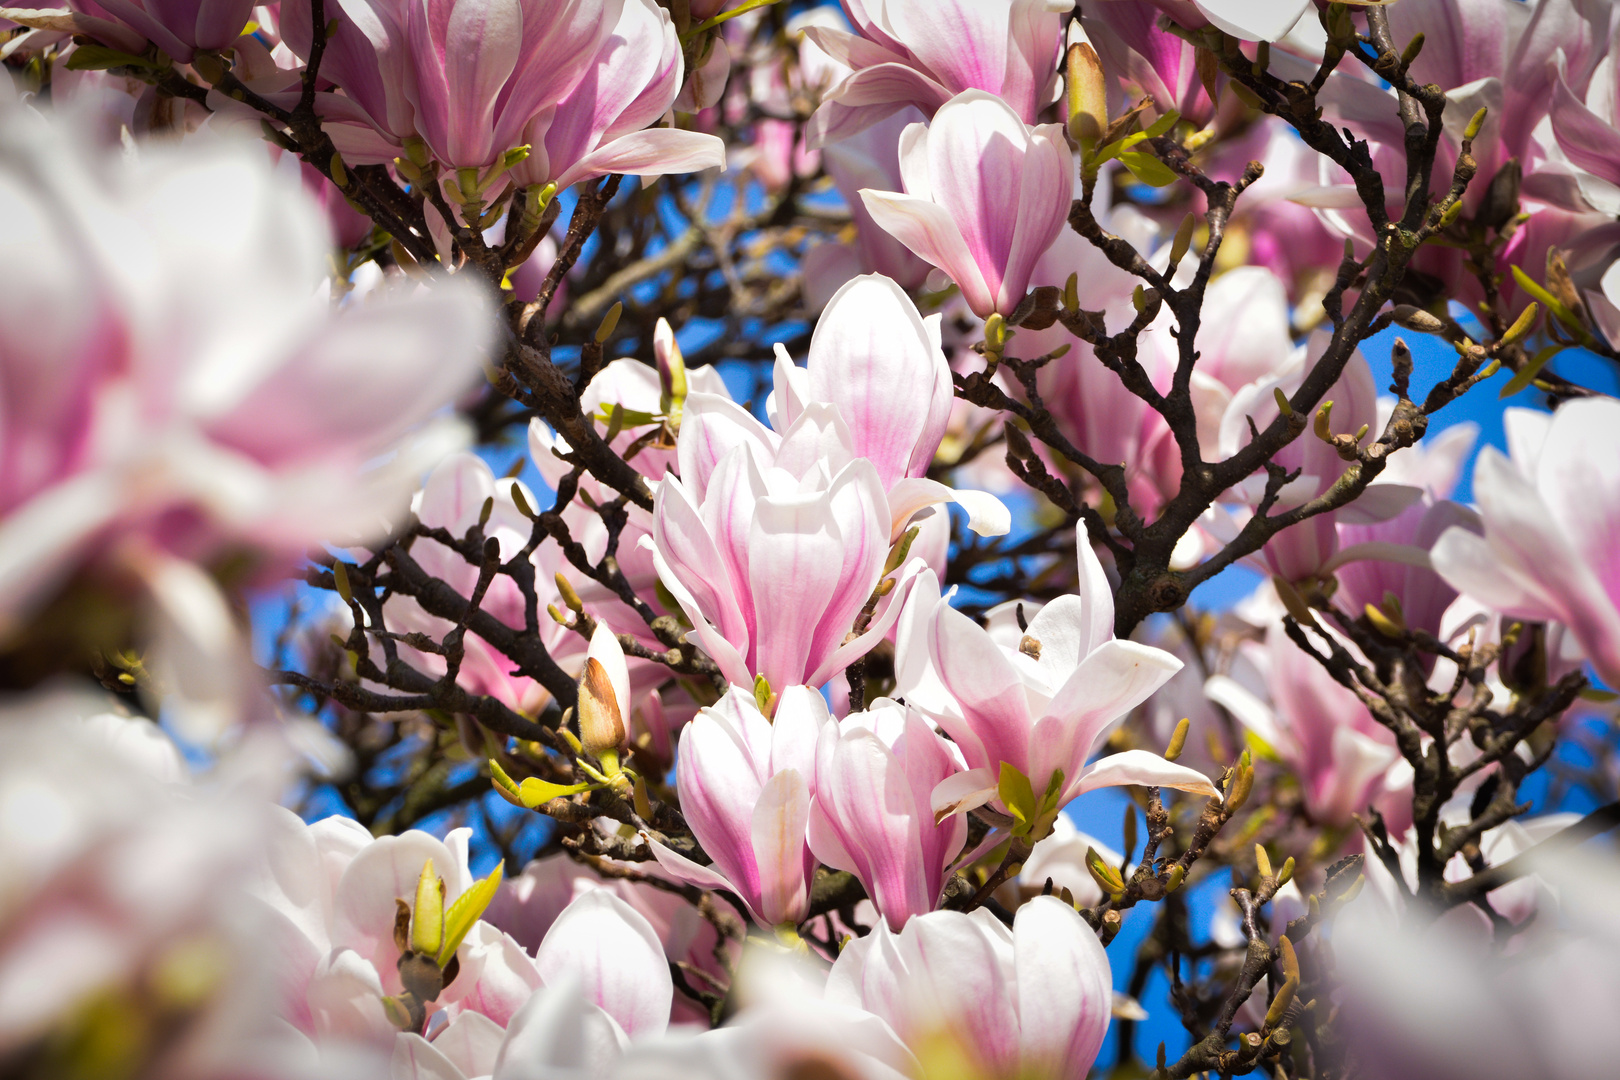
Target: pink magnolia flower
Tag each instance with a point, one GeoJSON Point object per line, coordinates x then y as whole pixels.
{"type": "Point", "coordinates": [922, 53]}
{"type": "Point", "coordinates": [870, 159]}
{"type": "Point", "coordinates": [528, 905]}
{"type": "Point", "coordinates": [178, 27]}
{"type": "Point", "coordinates": [104, 897]}
{"type": "Point", "coordinates": [1311, 547]}
{"type": "Point", "coordinates": [605, 124]}
{"type": "Point", "coordinates": [773, 576]}
{"type": "Point", "coordinates": [368, 55]}
{"type": "Point", "coordinates": [617, 956]}
{"type": "Point", "coordinates": [745, 785]}
{"type": "Point", "coordinates": [1548, 552]}
{"type": "Point", "coordinates": [1391, 558]}
{"type": "Point", "coordinates": [772, 541]}
{"type": "Point", "coordinates": [872, 812]}
{"type": "Point", "coordinates": [1039, 701]}
{"type": "Point", "coordinates": [330, 892]}
{"type": "Point", "coordinates": [482, 69]}
{"type": "Point", "coordinates": [985, 196]}
{"type": "Point", "coordinates": [1031, 1002]}
{"type": "Point", "coordinates": [1155, 62]}
{"type": "Point", "coordinates": [174, 381]}
{"type": "Point", "coordinates": [1344, 759]}
{"type": "Point", "coordinates": [557, 1032]}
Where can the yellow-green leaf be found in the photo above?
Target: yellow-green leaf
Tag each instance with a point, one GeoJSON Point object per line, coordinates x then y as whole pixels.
{"type": "Point", "coordinates": [92, 57]}
{"type": "Point", "coordinates": [1018, 796]}
{"type": "Point", "coordinates": [466, 910]}
{"type": "Point", "coordinates": [1551, 302]}
{"type": "Point", "coordinates": [1527, 374]}
{"type": "Point", "coordinates": [535, 792]}
{"type": "Point", "coordinates": [1147, 168]}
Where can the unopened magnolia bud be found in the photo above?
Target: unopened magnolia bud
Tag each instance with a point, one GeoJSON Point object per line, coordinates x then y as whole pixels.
{"type": "Point", "coordinates": [1384, 624]}
{"type": "Point", "coordinates": [601, 722]}
{"type": "Point", "coordinates": [1088, 95]}
{"type": "Point", "coordinates": [1178, 874]}
{"type": "Point", "coordinates": [521, 501]}
{"type": "Point", "coordinates": [1471, 132]}
{"type": "Point", "coordinates": [339, 176]}
{"type": "Point", "coordinates": [1178, 739]}
{"type": "Point", "coordinates": [1415, 318]}
{"type": "Point", "coordinates": [566, 591]}
{"type": "Point", "coordinates": [1071, 294]}
{"type": "Point", "coordinates": [671, 364]}
{"type": "Point", "coordinates": [1242, 785]}
{"type": "Point", "coordinates": [1523, 324]}
{"type": "Point", "coordinates": [1283, 405]}
{"type": "Point", "coordinates": [1262, 860]}
{"type": "Point", "coordinates": [1106, 877]}
{"type": "Point", "coordinates": [1286, 874]}
{"type": "Point", "coordinates": [427, 914]}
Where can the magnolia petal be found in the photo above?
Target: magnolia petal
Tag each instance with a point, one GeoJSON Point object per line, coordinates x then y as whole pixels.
{"type": "Point", "coordinates": [780, 819]}
{"type": "Point", "coordinates": [1065, 990]}
{"type": "Point", "coordinates": [654, 152]}
{"type": "Point", "coordinates": [617, 954]}
{"type": "Point", "coordinates": [1146, 769]}
{"type": "Point", "coordinates": [930, 231]}
{"type": "Point", "coordinates": [962, 792]}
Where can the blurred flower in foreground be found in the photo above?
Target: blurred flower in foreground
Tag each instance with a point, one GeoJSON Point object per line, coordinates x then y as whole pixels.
{"type": "Point", "coordinates": [125, 949]}
{"type": "Point", "coordinates": [177, 388]}
{"type": "Point", "coordinates": [1433, 1001]}
{"type": "Point", "coordinates": [1550, 513]}
{"type": "Point", "coordinates": [1030, 1002]}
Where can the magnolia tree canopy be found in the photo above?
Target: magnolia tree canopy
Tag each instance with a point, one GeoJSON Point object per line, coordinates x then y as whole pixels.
{"type": "Point", "coordinates": [561, 539]}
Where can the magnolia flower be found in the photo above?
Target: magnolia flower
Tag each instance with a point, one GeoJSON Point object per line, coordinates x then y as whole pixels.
{"type": "Point", "coordinates": [985, 196]}
{"type": "Point", "coordinates": [331, 895]}
{"type": "Point", "coordinates": [1031, 1002]}
{"type": "Point", "coordinates": [123, 911]}
{"type": "Point", "coordinates": [1344, 759]}
{"type": "Point", "coordinates": [872, 814]}
{"type": "Point", "coordinates": [773, 540]}
{"type": "Point", "coordinates": [1437, 1000]}
{"type": "Point", "coordinates": [1037, 702]}
{"type": "Point", "coordinates": [771, 570]}
{"type": "Point", "coordinates": [1549, 510]}
{"type": "Point", "coordinates": [871, 351]}
{"type": "Point", "coordinates": [605, 124]}
{"type": "Point", "coordinates": [870, 159]}
{"type": "Point", "coordinates": [1251, 20]}
{"type": "Point", "coordinates": [558, 1032]}
{"type": "Point", "coordinates": [921, 53]}
{"type": "Point", "coordinates": [1138, 54]}
{"type": "Point", "coordinates": [482, 69]}
{"type": "Point", "coordinates": [617, 956]}
{"type": "Point", "coordinates": [178, 28]}
{"type": "Point", "coordinates": [528, 905]}
{"type": "Point", "coordinates": [176, 386]}
{"type": "Point", "coordinates": [745, 785]}
{"type": "Point", "coordinates": [1311, 547]}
